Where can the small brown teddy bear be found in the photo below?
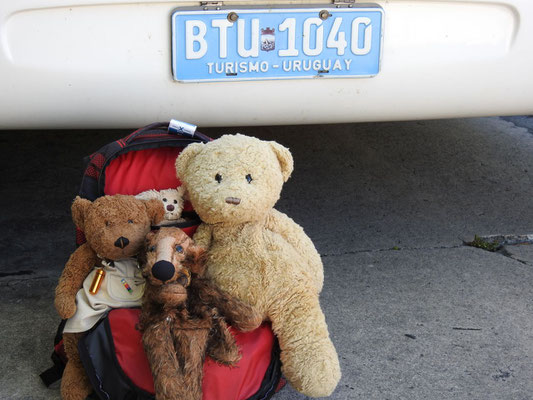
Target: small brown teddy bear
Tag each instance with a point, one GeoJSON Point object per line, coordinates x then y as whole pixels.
{"type": "Point", "coordinates": [184, 316]}
{"type": "Point", "coordinates": [115, 228]}
{"type": "Point", "coordinates": [260, 255]}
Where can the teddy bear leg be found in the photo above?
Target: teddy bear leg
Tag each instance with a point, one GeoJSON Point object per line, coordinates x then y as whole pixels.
{"type": "Point", "coordinates": [75, 384]}
{"type": "Point", "coordinates": [176, 360]}
{"type": "Point", "coordinates": [221, 345]}
{"type": "Point", "coordinates": [309, 359]}
{"type": "Point", "coordinates": [168, 374]}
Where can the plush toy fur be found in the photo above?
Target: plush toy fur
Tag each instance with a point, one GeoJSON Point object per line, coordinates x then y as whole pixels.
{"type": "Point", "coordinates": [182, 316]}
{"type": "Point", "coordinates": [258, 254]}
{"type": "Point", "coordinates": [172, 199]}
{"type": "Point", "coordinates": [103, 221]}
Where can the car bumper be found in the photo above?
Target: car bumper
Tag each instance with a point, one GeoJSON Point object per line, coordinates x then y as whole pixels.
{"type": "Point", "coordinates": [97, 63]}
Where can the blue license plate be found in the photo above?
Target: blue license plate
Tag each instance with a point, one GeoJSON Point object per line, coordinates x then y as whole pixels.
{"type": "Point", "coordinates": [276, 43]}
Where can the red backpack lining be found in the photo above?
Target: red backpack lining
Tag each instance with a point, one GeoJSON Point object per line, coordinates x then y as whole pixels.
{"type": "Point", "coordinates": [136, 171]}
{"type": "Point", "coordinates": [220, 382]}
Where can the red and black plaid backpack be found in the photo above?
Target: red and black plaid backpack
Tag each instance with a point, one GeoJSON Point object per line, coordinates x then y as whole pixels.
{"type": "Point", "coordinates": [112, 351]}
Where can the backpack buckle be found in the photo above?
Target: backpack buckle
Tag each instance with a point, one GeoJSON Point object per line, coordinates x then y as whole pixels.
{"type": "Point", "coordinates": [181, 128]}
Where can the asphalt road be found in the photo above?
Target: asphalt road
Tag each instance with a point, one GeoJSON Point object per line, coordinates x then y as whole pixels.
{"type": "Point", "coordinates": [413, 312]}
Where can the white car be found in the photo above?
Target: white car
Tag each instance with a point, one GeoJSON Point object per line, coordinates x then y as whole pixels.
{"type": "Point", "coordinates": [126, 63]}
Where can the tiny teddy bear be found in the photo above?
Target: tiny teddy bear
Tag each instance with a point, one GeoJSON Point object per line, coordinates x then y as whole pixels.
{"type": "Point", "coordinates": [184, 316]}
{"type": "Point", "coordinates": [258, 254]}
{"type": "Point", "coordinates": [172, 199]}
{"type": "Point", "coordinates": [101, 274]}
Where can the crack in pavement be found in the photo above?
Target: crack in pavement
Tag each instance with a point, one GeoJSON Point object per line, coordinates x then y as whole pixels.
{"type": "Point", "coordinates": [504, 252]}
{"type": "Point", "coordinates": [500, 245]}
{"type": "Point", "coordinates": [507, 240]}
{"type": "Point", "coordinates": [11, 282]}
{"type": "Point", "coordinates": [395, 248]}
{"type": "Point", "coordinates": [16, 273]}
{"type": "Point", "coordinates": [506, 245]}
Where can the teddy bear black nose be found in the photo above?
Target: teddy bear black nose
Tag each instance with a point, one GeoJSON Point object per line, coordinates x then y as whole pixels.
{"type": "Point", "coordinates": [233, 200]}
{"type": "Point", "coordinates": [122, 242]}
{"type": "Point", "coordinates": [170, 207]}
{"type": "Point", "coordinates": [163, 270]}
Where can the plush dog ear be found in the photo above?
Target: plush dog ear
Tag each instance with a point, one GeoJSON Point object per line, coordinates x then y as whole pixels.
{"type": "Point", "coordinates": [285, 159]}
{"type": "Point", "coordinates": [185, 157]}
{"type": "Point", "coordinates": [149, 236]}
{"type": "Point", "coordinates": [79, 210]}
{"type": "Point", "coordinates": [155, 210]}
{"type": "Point", "coordinates": [141, 257]}
{"type": "Point", "coordinates": [195, 259]}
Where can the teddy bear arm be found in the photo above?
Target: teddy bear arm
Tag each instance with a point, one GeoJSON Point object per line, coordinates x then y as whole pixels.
{"type": "Point", "coordinates": [148, 195]}
{"type": "Point", "coordinates": [221, 345]}
{"type": "Point", "coordinates": [294, 234]}
{"type": "Point", "coordinates": [78, 266]}
{"type": "Point", "coordinates": [203, 236]}
{"type": "Point", "coordinates": [309, 359]}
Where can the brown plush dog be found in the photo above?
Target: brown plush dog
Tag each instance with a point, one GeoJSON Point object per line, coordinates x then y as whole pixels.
{"type": "Point", "coordinates": [115, 228]}
{"type": "Point", "coordinates": [183, 314]}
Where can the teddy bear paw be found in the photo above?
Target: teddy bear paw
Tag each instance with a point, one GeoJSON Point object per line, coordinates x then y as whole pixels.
{"type": "Point", "coordinates": [315, 373]}
{"type": "Point", "coordinates": [65, 308]}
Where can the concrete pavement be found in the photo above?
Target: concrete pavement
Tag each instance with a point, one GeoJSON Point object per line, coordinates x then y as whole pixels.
{"type": "Point", "coordinates": [413, 312]}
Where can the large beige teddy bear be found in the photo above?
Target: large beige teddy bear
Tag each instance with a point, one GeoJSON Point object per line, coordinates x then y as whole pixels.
{"type": "Point", "coordinates": [259, 254]}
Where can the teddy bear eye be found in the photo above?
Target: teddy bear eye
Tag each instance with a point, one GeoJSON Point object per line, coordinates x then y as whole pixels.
{"type": "Point", "coordinates": [249, 178]}
{"type": "Point", "coordinates": [218, 178]}
{"type": "Point", "coordinates": [165, 200]}
{"type": "Point", "coordinates": [179, 249]}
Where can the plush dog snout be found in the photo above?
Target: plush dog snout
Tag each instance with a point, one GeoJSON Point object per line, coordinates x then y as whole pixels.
{"type": "Point", "coordinates": [122, 242]}
{"type": "Point", "coordinates": [163, 270]}
{"type": "Point", "coordinates": [170, 207]}
{"type": "Point", "coordinates": [184, 279]}
{"type": "Point", "coordinates": [233, 200]}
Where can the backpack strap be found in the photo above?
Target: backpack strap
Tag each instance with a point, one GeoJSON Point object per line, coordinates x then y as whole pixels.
{"type": "Point", "coordinates": [163, 128]}
{"type": "Point", "coordinates": [54, 373]}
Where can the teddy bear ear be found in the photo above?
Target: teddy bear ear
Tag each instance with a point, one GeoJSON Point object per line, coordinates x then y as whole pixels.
{"type": "Point", "coordinates": [185, 157]}
{"type": "Point", "coordinates": [79, 210]}
{"type": "Point", "coordinates": [182, 194]}
{"type": "Point", "coordinates": [155, 210]}
{"type": "Point", "coordinates": [285, 159]}
{"type": "Point", "coordinates": [181, 191]}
